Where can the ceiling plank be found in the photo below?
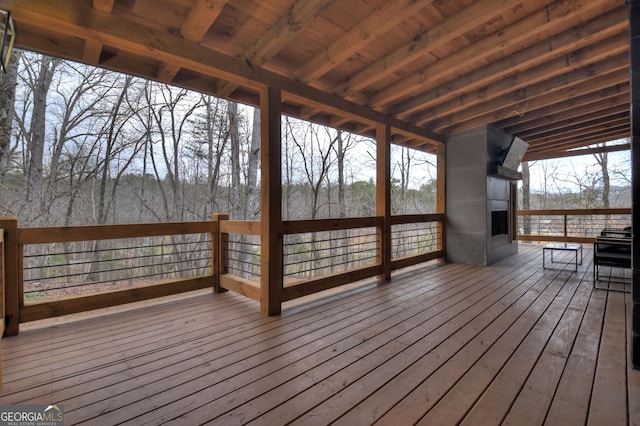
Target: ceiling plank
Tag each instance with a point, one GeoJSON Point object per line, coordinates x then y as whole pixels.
{"type": "Point", "coordinates": [539, 80]}
{"type": "Point", "coordinates": [426, 42]}
{"type": "Point", "coordinates": [385, 19]}
{"type": "Point", "coordinates": [564, 143]}
{"type": "Point", "coordinates": [612, 71]}
{"type": "Point", "coordinates": [569, 105]}
{"type": "Point", "coordinates": [572, 39]}
{"type": "Point", "coordinates": [561, 125]}
{"type": "Point", "coordinates": [286, 29]}
{"type": "Point", "coordinates": [604, 122]}
{"type": "Point", "coordinates": [296, 19]}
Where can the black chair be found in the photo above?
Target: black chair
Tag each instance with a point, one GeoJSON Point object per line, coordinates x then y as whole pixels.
{"type": "Point", "coordinates": [612, 248]}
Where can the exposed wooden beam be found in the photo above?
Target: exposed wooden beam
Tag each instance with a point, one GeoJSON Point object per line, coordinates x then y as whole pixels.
{"type": "Point", "coordinates": [570, 40]}
{"type": "Point", "coordinates": [576, 152]}
{"type": "Point", "coordinates": [610, 72]}
{"type": "Point", "coordinates": [386, 18]}
{"type": "Point", "coordinates": [584, 129]}
{"type": "Point", "coordinates": [193, 28]}
{"type": "Point", "coordinates": [539, 80]}
{"type": "Point", "coordinates": [541, 122]}
{"type": "Point", "coordinates": [93, 48]}
{"type": "Point", "coordinates": [599, 130]}
{"type": "Point", "coordinates": [167, 72]}
{"type": "Point", "coordinates": [561, 143]}
{"type": "Point", "coordinates": [575, 122]}
{"type": "Point", "coordinates": [427, 42]}
{"type": "Point", "coordinates": [92, 51]}
{"type": "Point", "coordinates": [293, 22]}
{"type": "Point", "coordinates": [567, 105]}
{"type": "Point", "coordinates": [123, 34]}
{"type": "Point", "coordinates": [103, 5]}
{"type": "Point", "coordinates": [200, 18]}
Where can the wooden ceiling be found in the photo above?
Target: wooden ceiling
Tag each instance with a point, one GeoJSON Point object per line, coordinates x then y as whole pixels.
{"type": "Point", "coordinates": [554, 73]}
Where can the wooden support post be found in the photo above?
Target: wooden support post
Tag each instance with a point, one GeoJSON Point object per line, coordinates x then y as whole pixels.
{"type": "Point", "coordinates": [271, 258]}
{"type": "Point", "coordinates": [219, 252]}
{"type": "Point", "coordinates": [13, 276]}
{"type": "Point", "coordinates": [441, 194]}
{"type": "Point", "coordinates": [383, 198]}
{"type": "Point", "coordinates": [634, 44]}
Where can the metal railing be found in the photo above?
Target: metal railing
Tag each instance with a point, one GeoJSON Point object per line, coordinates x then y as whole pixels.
{"type": "Point", "coordinates": [72, 269]}
{"type": "Point", "coordinates": [572, 225]}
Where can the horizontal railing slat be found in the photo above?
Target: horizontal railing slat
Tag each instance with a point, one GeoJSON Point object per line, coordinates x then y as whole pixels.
{"type": "Point", "coordinates": [416, 218]}
{"type": "Point", "coordinates": [329, 281]}
{"type": "Point", "coordinates": [573, 212]}
{"type": "Point", "coordinates": [319, 225]}
{"type": "Point", "coordinates": [244, 227]}
{"type": "Point", "coordinates": [110, 232]}
{"type": "Point", "coordinates": [38, 311]}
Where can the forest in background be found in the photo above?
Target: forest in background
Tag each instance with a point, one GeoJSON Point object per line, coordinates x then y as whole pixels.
{"type": "Point", "coordinates": [82, 146]}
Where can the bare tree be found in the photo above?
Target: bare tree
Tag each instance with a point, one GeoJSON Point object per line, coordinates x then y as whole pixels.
{"type": "Point", "coordinates": [8, 83]}
{"type": "Point", "coordinates": [40, 78]}
{"type": "Point", "coordinates": [526, 196]}
{"type": "Point", "coordinates": [253, 163]}
{"type": "Point", "coordinates": [603, 160]}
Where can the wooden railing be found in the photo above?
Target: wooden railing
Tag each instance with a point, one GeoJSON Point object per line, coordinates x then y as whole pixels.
{"type": "Point", "coordinates": [371, 264]}
{"type": "Point", "coordinates": [569, 225]}
{"type": "Point", "coordinates": [362, 257]}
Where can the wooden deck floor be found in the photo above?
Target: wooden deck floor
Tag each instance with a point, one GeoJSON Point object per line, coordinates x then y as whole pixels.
{"type": "Point", "coordinates": [441, 344]}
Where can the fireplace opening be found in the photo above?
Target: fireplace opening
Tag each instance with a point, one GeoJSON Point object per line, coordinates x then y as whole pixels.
{"type": "Point", "coordinates": [499, 222]}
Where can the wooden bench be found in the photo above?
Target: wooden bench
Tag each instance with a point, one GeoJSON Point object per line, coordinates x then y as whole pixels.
{"type": "Point", "coordinates": [612, 248]}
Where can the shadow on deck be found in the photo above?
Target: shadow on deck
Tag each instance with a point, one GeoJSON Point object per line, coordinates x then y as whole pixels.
{"type": "Point", "coordinates": [440, 344]}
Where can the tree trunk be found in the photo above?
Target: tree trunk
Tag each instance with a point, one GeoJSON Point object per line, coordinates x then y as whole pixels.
{"type": "Point", "coordinates": [37, 135]}
{"type": "Point", "coordinates": [253, 161]}
{"type": "Point", "coordinates": [603, 159]}
{"type": "Point", "coordinates": [526, 196]}
{"type": "Point", "coordinates": [8, 84]}
{"type": "Point", "coordinates": [236, 185]}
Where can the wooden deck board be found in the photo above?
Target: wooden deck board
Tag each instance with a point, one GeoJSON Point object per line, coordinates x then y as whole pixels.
{"type": "Point", "coordinates": [440, 344]}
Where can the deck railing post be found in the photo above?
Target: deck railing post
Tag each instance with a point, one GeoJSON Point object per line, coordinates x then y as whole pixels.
{"type": "Point", "coordinates": [13, 276]}
{"type": "Point", "coordinates": [383, 199]}
{"type": "Point", "coordinates": [219, 251]}
{"type": "Point", "coordinates": [565, 225]}
{"type": "Point", "coordinates": [271, 256]}
{"type": "Point", "coordinates": [440, 196]}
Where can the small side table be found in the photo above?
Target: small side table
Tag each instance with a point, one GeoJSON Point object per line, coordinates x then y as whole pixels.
{"type": "Point", "coordinates": [574, 247]}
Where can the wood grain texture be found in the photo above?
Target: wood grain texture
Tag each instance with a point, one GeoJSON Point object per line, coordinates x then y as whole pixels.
{"type": "Point", "coordinates": [441, 344]}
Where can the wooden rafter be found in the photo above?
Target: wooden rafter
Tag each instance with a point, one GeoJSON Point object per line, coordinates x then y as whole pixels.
{"type": "Point", "coordinates": [556, 46]}
{"type": "Point", "coordinates": [200, 19]}
{"type": "Point", "coordinates": [391, 14]}
{"type": "Point", "coordinates": [429, 40]}
{"type": "Point", "coordinates": [426, 69]}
